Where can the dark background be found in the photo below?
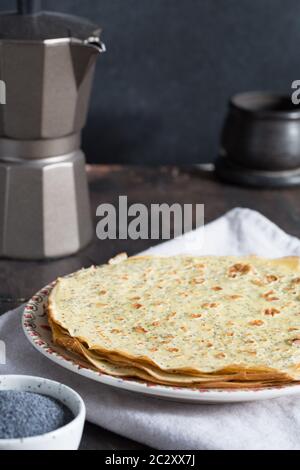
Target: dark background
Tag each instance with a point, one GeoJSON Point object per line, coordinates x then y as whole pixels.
{"type": "Point", "coordinates": [161, 90]}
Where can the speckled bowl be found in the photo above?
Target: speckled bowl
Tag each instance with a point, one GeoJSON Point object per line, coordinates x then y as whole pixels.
{"type": "Point", "coordinates": [67, 437]}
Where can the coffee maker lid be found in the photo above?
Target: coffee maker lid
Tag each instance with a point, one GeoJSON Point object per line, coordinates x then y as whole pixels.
{"type": "Point", "coordinates": [30, 24]}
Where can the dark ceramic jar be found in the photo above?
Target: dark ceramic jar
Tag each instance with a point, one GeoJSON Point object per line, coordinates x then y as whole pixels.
{"type": "Point", "coordinates": [262, 131]}
{"type": "Point", "coordinates": [260, 142]}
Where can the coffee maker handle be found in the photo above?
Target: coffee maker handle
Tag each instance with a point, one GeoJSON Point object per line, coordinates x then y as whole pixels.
{"type": "Point", "coordinates": [28, 7]}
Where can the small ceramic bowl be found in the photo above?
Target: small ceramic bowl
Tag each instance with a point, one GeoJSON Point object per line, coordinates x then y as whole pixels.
{"type": "Point", "coordinates": [260, 143]}
{"type": "Point", "coordinates": [67, 437]}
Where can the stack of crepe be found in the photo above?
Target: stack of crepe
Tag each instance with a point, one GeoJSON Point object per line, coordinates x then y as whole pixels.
{"type": "Point", "coordinates": [206, 322]}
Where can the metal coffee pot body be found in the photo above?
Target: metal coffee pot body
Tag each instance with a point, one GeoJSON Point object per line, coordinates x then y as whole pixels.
{"type": "Point", "coordinates": [48, 86]}
{"type": "Point", "coordinates": [44, 202]}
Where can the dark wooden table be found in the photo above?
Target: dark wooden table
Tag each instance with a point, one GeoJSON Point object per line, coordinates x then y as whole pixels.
{"type": "Point", "coordinates": [19, 280]}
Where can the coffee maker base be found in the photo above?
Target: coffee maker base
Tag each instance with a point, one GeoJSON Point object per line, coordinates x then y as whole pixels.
{"type": "Point", "coordinates": [44, 207]}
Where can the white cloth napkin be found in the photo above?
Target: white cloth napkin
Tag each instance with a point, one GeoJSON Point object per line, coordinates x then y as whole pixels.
{"type": "Point", "coordinates": [272, 424]}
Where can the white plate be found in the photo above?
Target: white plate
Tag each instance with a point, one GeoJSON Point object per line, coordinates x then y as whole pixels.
{"type": "Point", "coordinates": [38, 332]}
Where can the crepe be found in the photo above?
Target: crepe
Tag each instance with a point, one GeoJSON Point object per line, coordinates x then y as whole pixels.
{"type": "Point", "coordinates": [190, 321]}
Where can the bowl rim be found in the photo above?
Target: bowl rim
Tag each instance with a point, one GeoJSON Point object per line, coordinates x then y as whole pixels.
{"type": "Point", "coordinates": [241, 103]}
{"type": "Point", "coordinates": [81, 412]}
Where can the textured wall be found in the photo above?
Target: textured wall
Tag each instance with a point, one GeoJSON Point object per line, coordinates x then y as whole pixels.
{"type": "Point", "coordinates": [161, 90]}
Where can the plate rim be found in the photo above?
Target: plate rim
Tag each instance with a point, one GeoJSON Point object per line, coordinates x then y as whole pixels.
{"type": "Point", "coordinates": [182, 394]}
